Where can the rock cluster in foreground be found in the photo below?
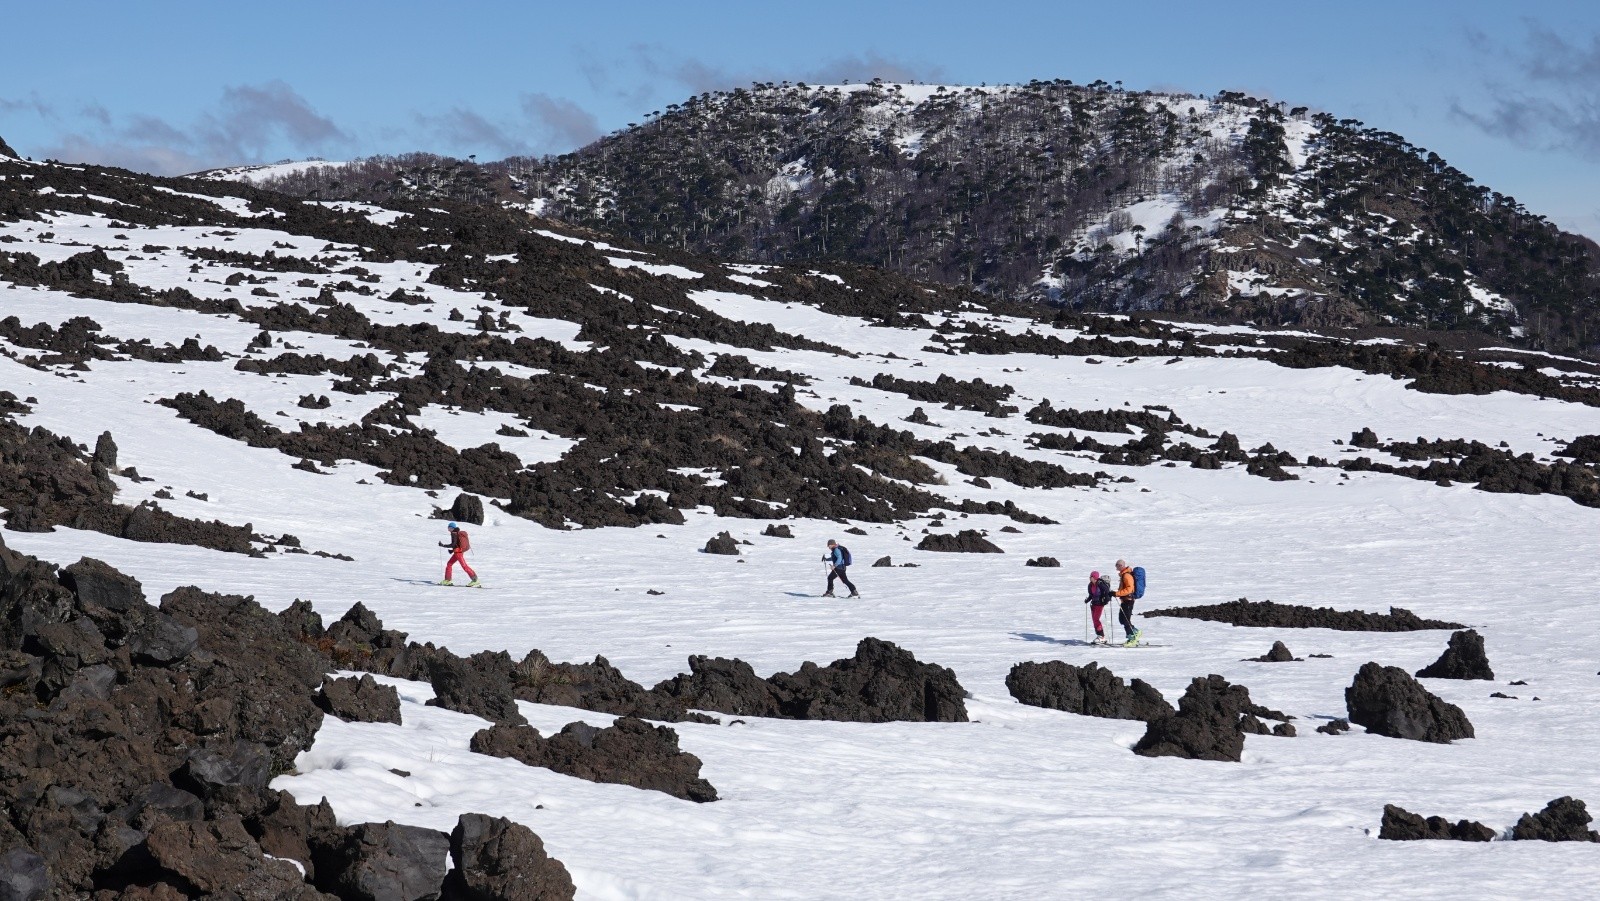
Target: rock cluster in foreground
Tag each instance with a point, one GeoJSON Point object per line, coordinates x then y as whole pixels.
{"type": "Point", "coordinates": [137, 743]}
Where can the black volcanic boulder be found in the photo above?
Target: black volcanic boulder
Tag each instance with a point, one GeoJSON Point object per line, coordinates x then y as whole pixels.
{"type": "Point", "coordinates": [23, 875]}
{"type": "Point", "coordinates": [209, 774]}
{"type": "Point", "coordinates": [460, 686]}
{"type": "Point", "coordinates": [360, 700]}
{"type": "Point", "coordinates": [1044, 561]}
{"type": "Point", "coordinates": [1210, 723]}
{"type": "Point", "coordinates": [631, 752]}
{"type": "Point", "coordinates": [98, 584]}
{"type": "Point", "coordinates": [1090, 690]}
{"type": "Point", "coordinates": [217, 858]}
{"type": "Point", "coordinates": [724, 543]}
{"type": "Point", "coordinates": [498, 860]}
{"type": "Point", "coordinates": [1566, 819]}
{"type": "Point", "coordinates": [1401, 825]}
{"type": "Point", "coordinates": [724, 685]}
{"type": "Point", "coordinates": [162, 640]}
{"type": "Point", "coordinates": [777, 531]}
{"type": "Point", "coordinates": [1388, 701]}
{"type": "Point", "coordinates": [1463, 659]}
{"type": "Point", "coordinates": [467, 508]}
{"type": "Point", "coordinates": [1278, 654]}
{"type": "Point", "coordinates": [383, 862]}
{"type": "Point", "coordinates": [592, 686]}
{"type": "Point", "coordinates": [881, 683]}
{"type": "Point", "coordinates": [967, 541]}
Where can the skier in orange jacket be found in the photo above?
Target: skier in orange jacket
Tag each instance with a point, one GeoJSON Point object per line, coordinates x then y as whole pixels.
{"type": "Point", "coordinates": [1124, 593]}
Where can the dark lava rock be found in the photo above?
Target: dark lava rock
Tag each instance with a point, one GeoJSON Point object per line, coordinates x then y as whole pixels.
{"type": "Point", "coordinates": [1090, 690]}
{"type": "Point", "coordinates": [208, 773]}
{"type": "Point", "coordinates": [1278, 654]}
{"type": "Point", "coordinates": [467, 508]}
{"type": "Point", "coordinates": [1285, 730]}
{"type": "Point", "coordinates": [967, 541]}
{"type": "Point", "coordinates": [1388, 701]}
{"type": "Point", "coordinates": [1209, 725]}
{"type": "Point", "coordinates": [724, 543]}
{"type": "Point", "coordinates": [1402, 825]}
{"type": "Point", "coordinates": [1334, 726]}
{"type": "Point", "coordinates": [360, 700]}
{"type": "Point", "coordinates": [98, 584]}
{"type": "Point", "coordinates": [1566, 819]}
{"type": "Point", "coordinates": [1463, 659]}
{"type": "Point", "coordinates": [105, 451]}
{"type": "Point", "coordinates": [460, 686]}
{"type": "Point", "coordinates": [383, 862]}
{"type": "Point", "coordinates": [632, 752]}
{"type": "Point", "coordinates": [161, 640]}
{"type": "Point", "coordinates": [1366, 438]}
{"type": "Point", "coordinates": [883, 561]}
{"type": "Point", "coordinates": [498, 860]}
{"type": "Point", "coordinates": [1250, 725]}
{"type": "Point", "coordinates": [218, 858]}
{"type": "Point", "coordinates": [23, 876]}
{"type": "Point", "coordinates": [881, 683]}
{"type": "Point", "coordinates": [592, 686]}
{"type": "Point", "coordinates": [1044, 561]}
{"type": "Point", "coordinates": [1245, 612]}
{"type": "Point", "coordinates": [777, 531]}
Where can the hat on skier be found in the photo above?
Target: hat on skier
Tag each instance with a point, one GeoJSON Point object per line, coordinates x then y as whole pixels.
{"type": "Point", "coordinates": [452, 526]}
{"type": "Point", "coordinates": [1094, 575]}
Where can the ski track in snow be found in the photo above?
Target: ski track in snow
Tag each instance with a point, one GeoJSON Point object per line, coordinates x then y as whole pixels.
{"type": "Point", "coordinates": [1019, 803]}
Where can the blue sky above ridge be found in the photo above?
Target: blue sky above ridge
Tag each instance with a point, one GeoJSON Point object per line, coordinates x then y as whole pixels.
{"type": "Point", "coordinates": [1509, 94]}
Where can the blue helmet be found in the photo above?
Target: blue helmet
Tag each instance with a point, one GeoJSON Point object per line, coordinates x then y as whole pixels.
{"type": "Point", "coordinates": [453, 526]}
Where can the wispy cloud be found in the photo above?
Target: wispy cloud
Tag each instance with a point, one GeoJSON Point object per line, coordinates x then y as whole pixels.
{"type": "Point", "coordinates": [247, 124]}
{"type": "Point", "coordinates": [1552, 99]}
{"type": "Point", "coordinates": [468, 133]}
{"type": "Point", "coordinates": [565, 124]}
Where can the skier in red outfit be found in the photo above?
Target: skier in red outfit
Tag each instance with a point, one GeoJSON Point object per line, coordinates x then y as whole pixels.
{"type": "Point", "coordinates": [459, 545]}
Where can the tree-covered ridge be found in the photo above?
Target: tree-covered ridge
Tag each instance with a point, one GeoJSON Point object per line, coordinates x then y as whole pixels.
{"type": "Point", "coordinates": [1224, 207]}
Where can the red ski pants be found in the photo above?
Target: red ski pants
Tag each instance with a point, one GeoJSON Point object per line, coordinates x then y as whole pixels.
{"type": "Point", "coordinates": [1095, 609]}
{"type": "Point", "coordinates": [458, 557]}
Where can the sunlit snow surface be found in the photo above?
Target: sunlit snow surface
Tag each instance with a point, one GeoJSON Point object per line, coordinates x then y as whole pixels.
{"type": "Point", "coordinates": [1019, 803]}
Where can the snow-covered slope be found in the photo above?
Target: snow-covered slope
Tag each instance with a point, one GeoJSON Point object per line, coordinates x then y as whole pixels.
{"type": "Point", "coordinates": [267, 171]}
{"type": "Point", "coordinates": [1020, 802]}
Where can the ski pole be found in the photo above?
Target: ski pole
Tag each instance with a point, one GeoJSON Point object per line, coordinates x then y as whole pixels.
{"type": "Point", "coordinates": [1085, 623]}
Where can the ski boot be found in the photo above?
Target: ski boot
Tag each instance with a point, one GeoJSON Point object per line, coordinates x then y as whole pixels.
{"type": "Point", "coordinates": [829, 594]}
{"type": "Point", "coordinates": [474, 584]}
{"type": "Point", "coordinates": [446, 582]}
{"type": "Point", "coordinates": [855, 594]}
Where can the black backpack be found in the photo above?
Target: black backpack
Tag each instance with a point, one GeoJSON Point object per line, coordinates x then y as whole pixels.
{"type": "Point", "coordinates": [844, 555]}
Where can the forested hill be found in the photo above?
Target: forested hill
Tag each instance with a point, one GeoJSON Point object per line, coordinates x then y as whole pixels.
{"type": "Point", "coordinates": [1222, 207]}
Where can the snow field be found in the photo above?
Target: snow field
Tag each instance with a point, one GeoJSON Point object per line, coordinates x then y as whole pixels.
{"type": "Point", "coordinates": [1019, 803]}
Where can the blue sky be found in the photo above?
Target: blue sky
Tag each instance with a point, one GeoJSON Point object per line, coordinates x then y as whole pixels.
{"type": "Point", "coordinates": [1509, 93]}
